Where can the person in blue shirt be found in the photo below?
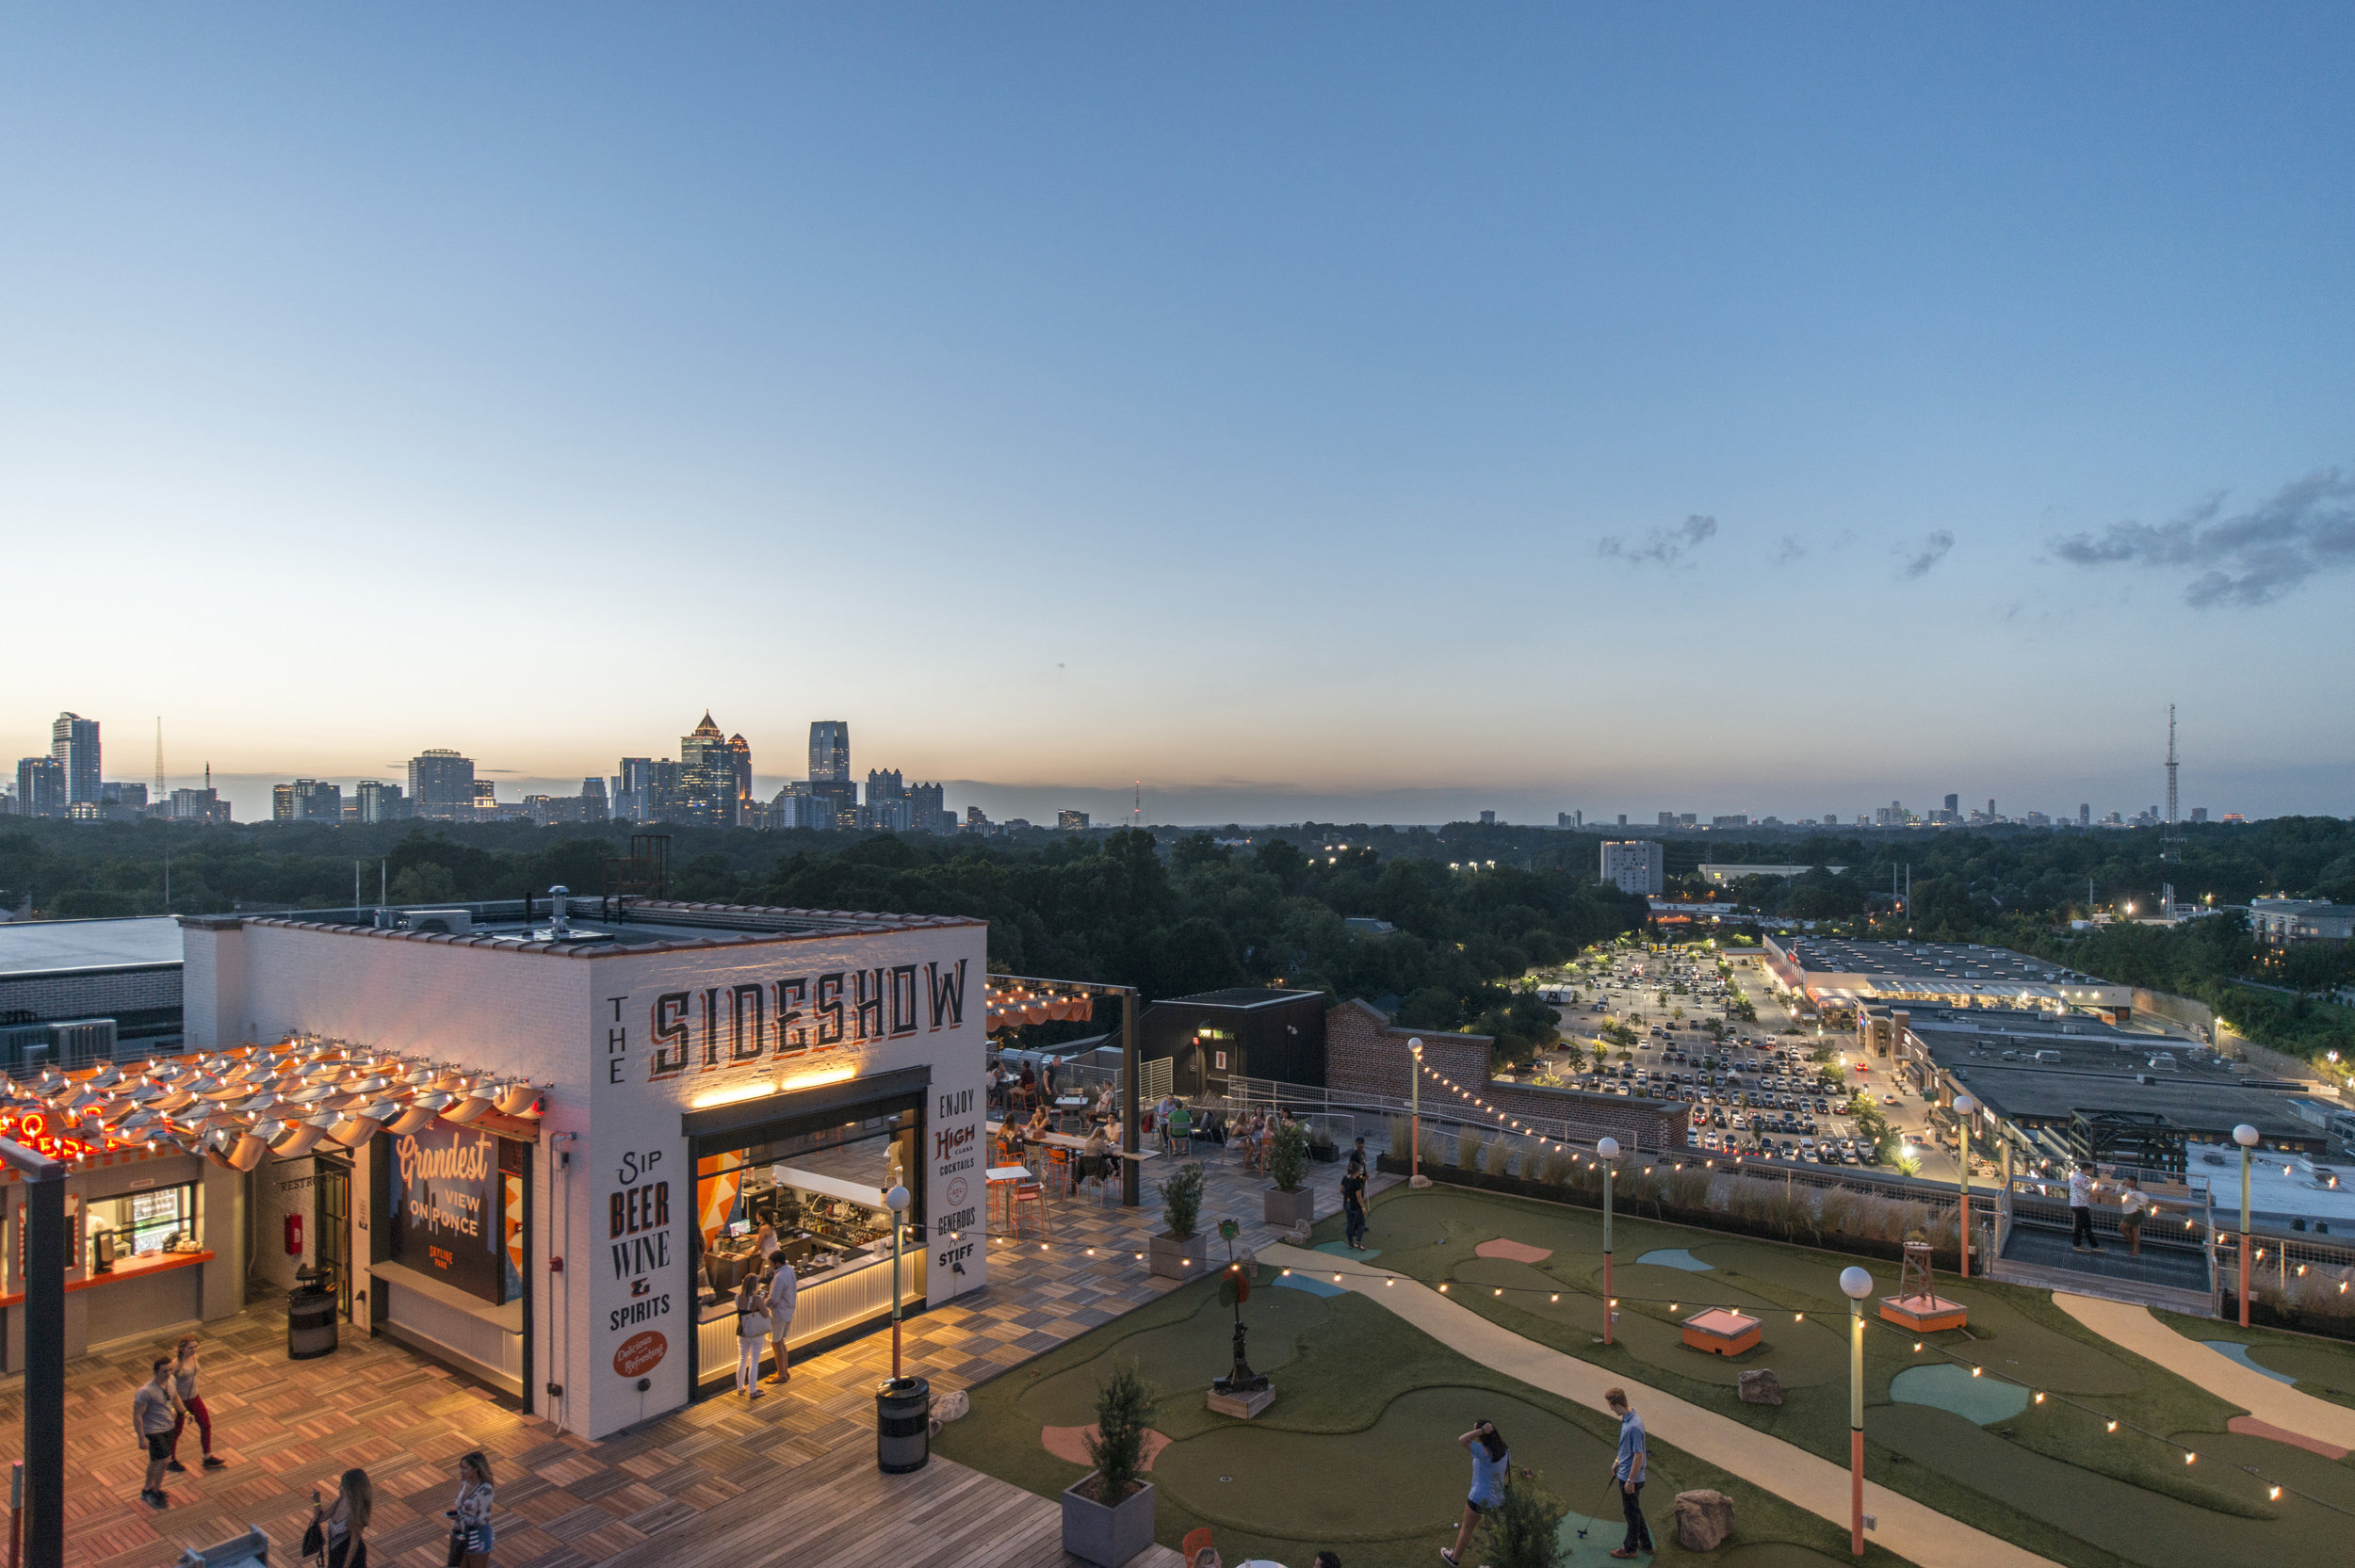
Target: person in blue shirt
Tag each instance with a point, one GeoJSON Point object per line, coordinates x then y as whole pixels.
{"type": "Point", "coordinates": [1628, 1470]}
{"type": "Point", "coordinates": [1492, 1464]}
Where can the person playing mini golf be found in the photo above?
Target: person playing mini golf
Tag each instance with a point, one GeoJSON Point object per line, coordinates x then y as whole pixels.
{"type": "Point", "coordinates": [1627, 1471]}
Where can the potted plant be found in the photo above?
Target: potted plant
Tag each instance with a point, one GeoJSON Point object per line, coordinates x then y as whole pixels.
{"type": "Point", "coordinates": [1287, 1202]}
{"type": "Point", "coordinates": [1108, 1513]}
{"type": "Point", "coordinates": [1177, 1253]}
{"type": "Point", "coordinates": [1321, 1147]}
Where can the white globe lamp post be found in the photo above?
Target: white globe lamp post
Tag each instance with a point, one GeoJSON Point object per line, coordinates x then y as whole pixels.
{"type": "Point", "coordinates": [2246, 1135]}
{"type": "Point", "coordinates": [1855, 1284]}
{"type": "Point", "coordinates": [1607, 1150]}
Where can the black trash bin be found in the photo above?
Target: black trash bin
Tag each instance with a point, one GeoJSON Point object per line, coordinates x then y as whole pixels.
{"type": "Point", "coordinates": [903, 1422]}
{"type": "Point", "coordinates": [310, 1324]}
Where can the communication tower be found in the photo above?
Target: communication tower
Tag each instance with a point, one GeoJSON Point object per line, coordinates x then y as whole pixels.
{"type": "Point", "coordinates": [2171, 835]}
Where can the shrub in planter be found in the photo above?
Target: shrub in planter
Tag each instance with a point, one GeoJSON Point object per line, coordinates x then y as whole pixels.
{"type": "Point", "coordinates": [1108, 1514]}
{"type": "Point", "coordinates": [1179, 1253]}
{"type": "Point", "coordinates": [1287, 1202]}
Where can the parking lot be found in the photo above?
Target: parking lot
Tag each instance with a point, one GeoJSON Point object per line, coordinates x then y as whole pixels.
{"type": "Point", "coordinates": [1753, 1089]}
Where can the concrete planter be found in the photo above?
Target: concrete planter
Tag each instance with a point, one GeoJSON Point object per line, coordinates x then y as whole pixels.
{"type": "Point", "coordinates": [1106, 1536]}
{"type": "Point", "coordinates": [1173, 1259]}
{"type": "Point", "coordinates": [1290, 1209]}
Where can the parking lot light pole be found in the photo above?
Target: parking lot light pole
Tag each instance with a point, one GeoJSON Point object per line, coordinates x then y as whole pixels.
{"type": "Point", "coordinates": [1855, 1284]}
{"type": "Point", "coordinates": [1608, 1149]}
{"type": "Point", "coordinates": [2246, 1135]}
{"type": "Point", "coordinates": [1964, 1106]}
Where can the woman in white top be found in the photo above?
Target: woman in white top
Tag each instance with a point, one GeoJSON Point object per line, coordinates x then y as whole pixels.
{"type": "Point", "coordinates": [470, 1521]}
{"type": "Point", "coordinates": [2135, 1206]}
{"type": "Point", "coordinates": [752, 1327]}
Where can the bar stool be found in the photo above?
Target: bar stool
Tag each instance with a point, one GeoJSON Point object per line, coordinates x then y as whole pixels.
{"type": "Point", "coordinates": [1033, 1193]}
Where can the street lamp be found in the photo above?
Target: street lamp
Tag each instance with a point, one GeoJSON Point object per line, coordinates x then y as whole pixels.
{"type": "Point", "coordinates": [897, 1201]}
{"type": "Point", "coordinates": [1414, 1154]}
{"type": "Point", "coordinates": [1609, 1150]}
{"type": "Point", "coordinates": [1964, 1106]}
{"type": "Point", "coordinates": [1855, 1284]}
{"type": "Point", "coordinates": [2246, 1135]}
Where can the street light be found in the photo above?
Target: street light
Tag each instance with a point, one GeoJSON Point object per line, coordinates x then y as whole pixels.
{"type": "Point", "coordinates": [2246, 1135]}
{"type": "Point", "coordinates": [1855, 1284]}
{"type": "Point", "coordinates": [897, 1201]}
{"type": "Point", "coordinates": [1608, 1149]}
{"type": "Point", "coordinates": [1414, 1155]}
{"type": "Point", "coordinates": [1964, 1106]}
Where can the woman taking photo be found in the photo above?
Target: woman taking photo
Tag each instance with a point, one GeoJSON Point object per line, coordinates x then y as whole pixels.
{"type": "Point", "coordinates": [470, 1521]}
{"type": "Point", "coordinates": [343, 1529]}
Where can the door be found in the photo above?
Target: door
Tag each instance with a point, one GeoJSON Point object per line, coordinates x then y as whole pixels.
{"type": "Point", "coordinates": [331, 1185]}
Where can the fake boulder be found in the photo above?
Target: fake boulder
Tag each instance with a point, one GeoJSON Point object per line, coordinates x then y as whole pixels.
{"type": "Point", "coordinates": [1704, 1519]}
{"type": "Point", "coordinates": [1761, 1386]}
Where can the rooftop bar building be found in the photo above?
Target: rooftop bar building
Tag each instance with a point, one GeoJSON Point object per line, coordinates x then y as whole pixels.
{"type": "Point", "coordinates": [700, 1071]}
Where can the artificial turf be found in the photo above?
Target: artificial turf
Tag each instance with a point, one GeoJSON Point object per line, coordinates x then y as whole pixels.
{"type": "Point", "coordinates": [2323, 1367]}
{"type": "Point", "coordinates": [2052, 1477]}
{"type": "Point", "coordinates": [1357, 1453]}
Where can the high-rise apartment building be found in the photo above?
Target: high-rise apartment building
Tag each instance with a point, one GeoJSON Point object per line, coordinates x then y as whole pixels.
{"type": "Point", "coordinates": [926, 812]}
{"type": "Point", "coordinates": [442, 786]}
{"type": "Point", "coordinates": [41, 787]}
{"type": "Point", "coordinates": [634, 793]}
{"type": "Point", "coordinates": [1072, 821]}
{"type": "Point", "coordinates": [593, 805]}
{"type": "Point", "coordinates": [377, 801]}
{"type": "Point", "coordinates": [306, 800]}
{"type": "Point", "coordinates": [1635, 865]}
{"type": "Point", "coordinates": [73, 743]}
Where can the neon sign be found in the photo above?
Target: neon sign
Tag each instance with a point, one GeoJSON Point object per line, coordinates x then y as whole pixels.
{"type": "Point", "coordinates": [31, 1128]}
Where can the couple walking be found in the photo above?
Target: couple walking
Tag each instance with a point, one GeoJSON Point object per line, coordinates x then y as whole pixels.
{"type": "Point", "coordinates": [764, 1309]}
{"type": "Point", "coordinates": [159, 1413]}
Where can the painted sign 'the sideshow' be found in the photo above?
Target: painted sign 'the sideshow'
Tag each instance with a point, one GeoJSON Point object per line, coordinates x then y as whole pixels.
{"type": "Point", "coordinates": [715, 1027]}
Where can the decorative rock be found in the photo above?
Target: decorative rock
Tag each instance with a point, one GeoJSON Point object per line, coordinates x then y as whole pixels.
{"type": "Point", "coordinates": [1704, 1519]}
{"type": "Point", "coordinates": [1760, 1386]}
{"type": "Point", "coordinates": [1300, 1235]}
{"type": "Point", "coordinates": [952, 1406]}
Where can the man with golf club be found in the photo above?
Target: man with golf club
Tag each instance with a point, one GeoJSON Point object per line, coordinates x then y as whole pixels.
{"type": "Point", "coordinates": [1627, 1474]}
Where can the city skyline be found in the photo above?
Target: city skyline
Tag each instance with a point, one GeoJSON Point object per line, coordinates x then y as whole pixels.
{"type": "Point", "coordinates": [1081, 398]}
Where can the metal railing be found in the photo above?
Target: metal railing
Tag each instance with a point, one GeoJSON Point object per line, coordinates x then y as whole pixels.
{"type": "Point", "coordinates": [2295, 1275]}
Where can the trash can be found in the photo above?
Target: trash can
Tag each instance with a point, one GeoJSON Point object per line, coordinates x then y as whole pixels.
{"type": "Point", "coordinates": [904, 1419]}
{"type": "Point", "coordinates": [310, 1325]}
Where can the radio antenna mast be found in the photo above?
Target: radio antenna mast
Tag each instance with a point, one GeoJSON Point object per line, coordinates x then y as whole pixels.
{"type": "Point", "coordinates": [2171, 836]}
{"type": "Point", "coordinates": [160, 758]}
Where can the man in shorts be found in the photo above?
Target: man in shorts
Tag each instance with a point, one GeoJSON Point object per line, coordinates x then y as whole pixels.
{"type": "Point", "coordinates": [154, 1413]}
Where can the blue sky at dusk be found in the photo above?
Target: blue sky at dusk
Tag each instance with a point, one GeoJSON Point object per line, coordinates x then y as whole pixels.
{"type": "Point", "coordinates": [1378, 411]}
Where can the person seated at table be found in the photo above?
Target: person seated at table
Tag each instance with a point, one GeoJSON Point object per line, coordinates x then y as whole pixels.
{"type": "Point", "coordinates": [1097, 1160]}
{"type": "Point", "coordinates": [1181, 1130]}
{"type": "Point", "coordinates": [1039, 1125]}
{"type": "Point", "coordinates": [1161, 1109]}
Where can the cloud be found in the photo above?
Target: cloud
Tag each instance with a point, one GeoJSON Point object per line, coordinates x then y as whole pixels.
{"type": "Point", "coordinates": [1662, 546]}
{"type": "Point", "coordinates": [2251, 558]}
{"type": "Point", "coordinates": [1933, 550]}
{"type": "Point", "coordinates": [1789, 550]}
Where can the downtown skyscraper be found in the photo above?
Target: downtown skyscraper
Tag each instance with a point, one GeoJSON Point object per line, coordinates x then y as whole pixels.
{"type": "Point", "coordinates": [74, 746]}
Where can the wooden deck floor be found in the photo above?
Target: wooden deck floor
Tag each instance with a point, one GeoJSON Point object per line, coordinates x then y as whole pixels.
{"type": "Point", "coordinates": [840, 1512]}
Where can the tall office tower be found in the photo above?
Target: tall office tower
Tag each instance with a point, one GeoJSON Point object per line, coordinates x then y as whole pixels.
{"type": "Point", "coordinates": [593, 806]}
{"type": "Point", "coordinates": [41, 787]}
{"type": "Point", "coordinates": [440, 787]}
{"type": "Point", "coordinates": [2085, 814]}
{"type": "Point", "coordinates": [74, 742]}
{"type": "Point", "coordinates": [633, 791]}
{"type": "Point", "coordinates": [1954, 808]}
{"type": "Point", "coordinates": [707, 778]}
{"type": "Point", "coordinates": [1667, 819]}
{"type": "Point", "coordinates": [486, 799]}
{"type": "Point", "coordinates": [830, 768]}
{"type": "Point", "coordinates": [741, 772]}
{"type": "Point", "coordinates": [380, 802]}
{"type": "Point", "coordinates": [1635, 865]}
{"type": "Point", "coordinates": [926, 814]}
{"type": "Point", "coordinates": [1072, 821]}
{"type": "Point", "coordinates": [888, 800]}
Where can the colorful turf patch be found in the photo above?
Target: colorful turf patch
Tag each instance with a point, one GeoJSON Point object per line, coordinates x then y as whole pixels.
{"type": "Point", "coordinates": [2251, 1427]}
{"type": "Point", "coordinates": [1677, 1257]}
{"type": "Point", "coordinates": [1070, 1444]}
{"type": "Point", "coordinates": [2232, 1349]}
{"type": "Point", "coordinates": [1312, 1283]}
{"type": "Point", "coordinates": [1514, 1250]}
{"type": "Point", "coordinates": [1980, 1400]}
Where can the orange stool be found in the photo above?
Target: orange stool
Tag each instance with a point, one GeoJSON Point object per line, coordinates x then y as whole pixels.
{"type": "Point", "coordinates": [1034, 1194]}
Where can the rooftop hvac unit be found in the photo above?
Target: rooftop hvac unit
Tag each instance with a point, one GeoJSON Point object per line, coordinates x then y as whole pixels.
{"type": "Point", "coordinates": [79, 1042]}
{"type": "Point", "coordinates": [457, 922]}
{"type": "Point", "coordinates": [23, 1043]}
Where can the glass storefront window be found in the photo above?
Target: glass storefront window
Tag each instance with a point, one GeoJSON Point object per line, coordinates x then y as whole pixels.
{"type": "Point", "coordinates": [152, 1222]}
{"type": "Point", "coordinates": [821, 1189]}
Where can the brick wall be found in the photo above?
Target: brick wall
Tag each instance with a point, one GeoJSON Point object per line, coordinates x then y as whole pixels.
{"type": "Point", "coordinates": [1366, 1054]}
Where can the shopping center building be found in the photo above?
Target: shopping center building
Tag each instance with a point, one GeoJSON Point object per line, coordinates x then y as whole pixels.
{"type": "Point", "coordinates": [641, 1091]}
{"type": "Point", "coordinates": [1833, 972]}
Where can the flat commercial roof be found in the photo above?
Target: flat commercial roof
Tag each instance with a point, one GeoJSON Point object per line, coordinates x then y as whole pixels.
{"type": "Point", "coordinates": [1239, 996]}
{"type": "Point", "coordinates": [1917, 960]}
{"type": "Point", "coordinates": [2088, 1066]}
{"type": "Point", "coordinates": [632, 926]}
{"type": "Point", "coordinates": [50, 947]}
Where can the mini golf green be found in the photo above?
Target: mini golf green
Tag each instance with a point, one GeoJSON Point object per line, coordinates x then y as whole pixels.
{"type": "Point", "coordinates": [2323, 1367]}
{"type": "Point", "coordinates": [2232, 1349]}
{"type": "Point", "coordinates": [2051, 1476]}
{"type": "Point", "coordinates": [1358, 1452]}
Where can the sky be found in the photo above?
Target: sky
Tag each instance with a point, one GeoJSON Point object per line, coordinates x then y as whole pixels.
{"type": "Point", "coordinates": [1340, 412]}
